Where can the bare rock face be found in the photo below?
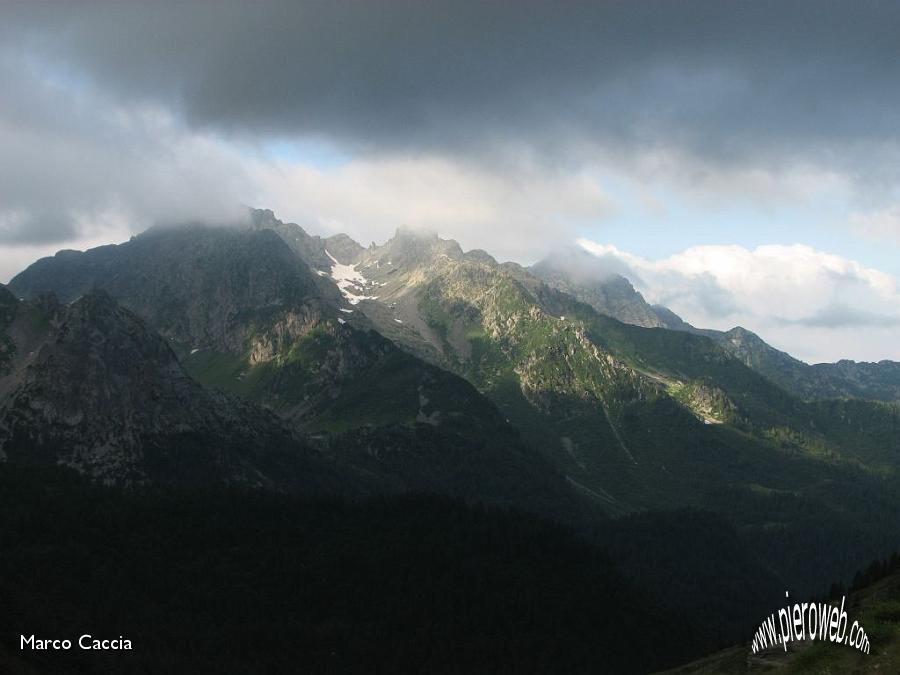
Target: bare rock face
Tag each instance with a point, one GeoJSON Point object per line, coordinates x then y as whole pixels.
{"type": "Point", "coordinates": [315, 251]}
{"type": "Point", "coordinates": [585, 277]}
{"type": "Point", "coordinates": [236, 292]}
{"type": "Point", "coordinates": [94, 388]}
{"type": "Point", "coordinates": [246, 314]}
{"type": "Point", "coordinates": [211, 287]}
{"type": "Point", "coordinates": [219, 329]}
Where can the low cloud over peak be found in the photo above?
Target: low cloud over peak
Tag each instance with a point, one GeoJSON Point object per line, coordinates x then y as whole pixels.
{"type": "Point", "coordinates": [815, 305]}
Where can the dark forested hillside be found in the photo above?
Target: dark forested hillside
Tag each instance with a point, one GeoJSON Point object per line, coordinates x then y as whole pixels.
{"type": "Point", "coordinates": [231, 582]}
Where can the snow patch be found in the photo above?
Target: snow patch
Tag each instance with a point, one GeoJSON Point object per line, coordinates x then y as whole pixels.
{"type": "Point", "coordinates": [195, 350]}
{"type": "Point", "coordinates": [398, 320]}
{"type": "Point", "coordinates": [346, 311]}
{"type": "Point", "coordinates": [341, 321]}
{"type": "Point", "coordinates": [350, 280]}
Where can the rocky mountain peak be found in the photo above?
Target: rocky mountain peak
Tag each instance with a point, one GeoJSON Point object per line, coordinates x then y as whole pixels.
{"type": "Point", "coordinates": [212, 287]}
{"type": "Point", "coordinates": [597, 282]}
{"type": "Point", "coordinates": [414, 246]}
{"type": "Point", "coordinates": [264, 218]}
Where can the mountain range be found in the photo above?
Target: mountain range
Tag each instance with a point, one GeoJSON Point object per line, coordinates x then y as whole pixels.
{"type": "Point", "coordinates": [260, 356]}
{"type": "Point", "coordinates": [579, 273]}
{"type": "Point", "coordinates": [236, 316]}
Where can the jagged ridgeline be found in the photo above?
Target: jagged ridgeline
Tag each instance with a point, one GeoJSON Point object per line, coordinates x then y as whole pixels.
{"type": "Point", "coordinates": [125, 334]}
{"type": "Point", "coordinates": [634, 417]}
{"type": "Point", "coordinates": [416, 365]}
{"type": "Point", "coordinates": [598, 283]}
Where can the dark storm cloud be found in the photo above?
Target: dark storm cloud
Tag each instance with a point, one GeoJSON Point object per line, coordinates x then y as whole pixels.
{"type": "Point", "coordinates": [725, 80]}
{"type": "Point", "coordinates": [74, 159]}
{"type": "Point", "coordinates": [698, 86]}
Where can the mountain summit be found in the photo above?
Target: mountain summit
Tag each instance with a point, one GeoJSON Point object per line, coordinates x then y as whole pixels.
{"type": "Point", "coordinates": [416, 365]}
{"type": "Point", "coordinates": [583, 276]}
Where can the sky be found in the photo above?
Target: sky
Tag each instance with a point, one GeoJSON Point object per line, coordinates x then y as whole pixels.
{"type": "Point", "coordinates": [740, 159]}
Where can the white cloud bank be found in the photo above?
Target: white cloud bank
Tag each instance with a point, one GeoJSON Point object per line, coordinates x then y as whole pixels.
{"type": "Point", "coordinates": [814, 305]}
{"type": "Point", "coordinates": [515, 215]}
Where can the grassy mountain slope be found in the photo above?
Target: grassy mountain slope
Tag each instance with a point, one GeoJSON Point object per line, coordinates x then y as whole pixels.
{"type": "Point", "coordinates": [592, 280]}
{"type": "Point", "coordinates": [844, 379]}
{"type": "Point", "coordinates": [638, 417]}
{"type": "Point", "coordinates": [248, 317]}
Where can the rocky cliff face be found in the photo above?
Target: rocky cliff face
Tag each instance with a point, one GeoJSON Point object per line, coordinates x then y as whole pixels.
{"type": "Point", "coordinates": [315, 251]}
{"type": "Point", "coordinates": [232, 302]}
{"type": "Point", "coordinates": [90, 386]}
{"type": "Point", "coordinates": [201, 286]}
{"type": "Point", "coordinates": [244, 314]}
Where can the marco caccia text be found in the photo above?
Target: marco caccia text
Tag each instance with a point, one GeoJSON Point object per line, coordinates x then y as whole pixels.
{"type": "Point", "coordinates": [83, 642]}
